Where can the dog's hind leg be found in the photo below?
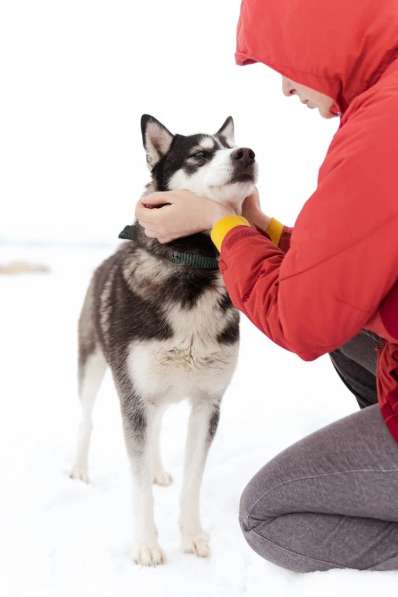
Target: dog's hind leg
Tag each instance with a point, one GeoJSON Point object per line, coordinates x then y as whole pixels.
{"type": "Point", "coordinates": [202, 427]}
{"type": "Point", "coordinates": [140, 427]}
{"type": "Point", "coordinates": [91, 373]}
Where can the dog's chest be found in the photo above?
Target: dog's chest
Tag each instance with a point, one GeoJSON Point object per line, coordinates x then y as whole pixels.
{"type": "Point", "coordinates": [192, 360]}
{"type": "Point", "coordinates": [194, 344]}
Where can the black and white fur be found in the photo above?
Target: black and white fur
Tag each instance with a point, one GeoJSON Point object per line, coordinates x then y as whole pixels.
{"type": "Point", "coordinates": [168, 331]}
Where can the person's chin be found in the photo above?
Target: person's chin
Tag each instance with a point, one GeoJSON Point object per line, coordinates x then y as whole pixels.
{"type": "Point", "coordinates": [326, 114]}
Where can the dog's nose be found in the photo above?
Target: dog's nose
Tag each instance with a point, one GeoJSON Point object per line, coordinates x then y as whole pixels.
{"type": "Point", "coordinates": [244, 155]}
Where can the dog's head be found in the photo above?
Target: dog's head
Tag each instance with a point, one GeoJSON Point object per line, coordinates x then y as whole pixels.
{"type": "Point", "coordinates": [208, 165]}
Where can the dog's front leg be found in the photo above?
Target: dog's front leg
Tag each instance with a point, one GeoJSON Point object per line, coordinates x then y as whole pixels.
{"type": "Point", "coordinates": [159, 475]}
{"type": "Point", "coordinates": [138, 422]}
{"type": "Point", "coordinates": [202, 427]}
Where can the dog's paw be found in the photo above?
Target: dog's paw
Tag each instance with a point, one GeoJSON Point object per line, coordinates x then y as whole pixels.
{"type": "Point", "coordinates": [163, 478]}
{"type": "Point", "coordinates": [146, 555]}
{"type": "Point", "coordinates": [80, 473]}
{"type": "Point", "coordinates": [197, 544]}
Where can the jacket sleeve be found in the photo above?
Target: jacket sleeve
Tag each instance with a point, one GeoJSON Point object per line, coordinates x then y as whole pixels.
{"type": "Point", "coordinates": [278, 233]}
{"type": "Point", "coordinates": [284, 242]}
{"type": "Point", "coordinates": [343, 255]}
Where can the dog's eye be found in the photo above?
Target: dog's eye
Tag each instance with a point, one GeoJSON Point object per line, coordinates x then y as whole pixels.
{"type": "Point", "coordinates": [200, 155]}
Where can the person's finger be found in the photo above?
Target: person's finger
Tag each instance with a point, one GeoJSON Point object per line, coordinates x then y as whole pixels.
{"type": "Point", "coordinates": [164, 239]}
{"type": "Point", "coordinates": [159, 198]}
{"type": "Point", "coordinates": [150, 232]}
{"type": "Point", "coordinates": [147, 216]}
{"type": "Point", "coordinates": [252, 201]}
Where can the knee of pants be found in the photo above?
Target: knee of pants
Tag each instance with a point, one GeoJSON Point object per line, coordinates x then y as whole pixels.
{"type": "Point", "coordinates": [273, 551]}
{"type": "Point", "coordinates": [249, 524]}
{"type": "Point", "coordinates": [246, 503]}
{"type": "Point", "coordinates": [257, 504]}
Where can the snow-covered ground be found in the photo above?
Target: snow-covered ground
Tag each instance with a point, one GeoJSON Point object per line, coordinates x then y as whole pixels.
{"type": "Point", "coordinates": [62, 538]}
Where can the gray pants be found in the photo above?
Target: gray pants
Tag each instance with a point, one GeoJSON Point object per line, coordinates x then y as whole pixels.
{"type": "Point", "coordinates": [330, 500]}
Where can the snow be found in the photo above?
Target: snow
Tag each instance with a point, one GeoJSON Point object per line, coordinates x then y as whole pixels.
{"type": "Point", "coordinates": [61, 537]}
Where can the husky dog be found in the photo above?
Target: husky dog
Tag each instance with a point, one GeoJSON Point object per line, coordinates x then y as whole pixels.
{"type": "Point", "coordinates": [159, 316]}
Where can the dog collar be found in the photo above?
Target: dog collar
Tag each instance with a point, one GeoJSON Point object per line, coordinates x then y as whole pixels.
{"type": "Point", "coordinates": [191, 259]}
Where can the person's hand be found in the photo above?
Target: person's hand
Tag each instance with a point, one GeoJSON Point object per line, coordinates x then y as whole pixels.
{"type": "Point", "coordinates": [251, 210]}
{"type": "Point", "coordinates": [183, 213]}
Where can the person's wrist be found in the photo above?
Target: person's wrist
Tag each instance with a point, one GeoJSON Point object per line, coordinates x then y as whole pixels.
{"type": "Point", "coordinates": [262, 221]}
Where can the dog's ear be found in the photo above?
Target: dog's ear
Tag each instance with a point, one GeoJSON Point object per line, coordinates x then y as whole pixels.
{"type": "Point", "coordinates": [228, 131]}
{"type": "Point", "coordinates": [156, 139]}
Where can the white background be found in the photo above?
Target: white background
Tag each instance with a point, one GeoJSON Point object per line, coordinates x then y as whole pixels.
{"type": "Point", "coordinates": [75, 79]}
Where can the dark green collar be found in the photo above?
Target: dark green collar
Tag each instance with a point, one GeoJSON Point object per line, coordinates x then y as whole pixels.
{"type": "Point", "coordinates": [196, 261]}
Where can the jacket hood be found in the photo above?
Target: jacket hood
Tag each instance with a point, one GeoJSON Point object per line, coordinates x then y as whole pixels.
{"type": "Point", "coordinates": [339, 48]}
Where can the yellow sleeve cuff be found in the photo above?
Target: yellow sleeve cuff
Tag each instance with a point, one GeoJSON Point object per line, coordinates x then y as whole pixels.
{"type": "Point", "coordinates": [221, 227]}
{"type": "Point", "coordinates": [274, 230]}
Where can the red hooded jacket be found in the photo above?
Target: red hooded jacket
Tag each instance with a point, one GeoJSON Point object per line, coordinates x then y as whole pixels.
{"type": "Point", "coordinates": [336, 271]}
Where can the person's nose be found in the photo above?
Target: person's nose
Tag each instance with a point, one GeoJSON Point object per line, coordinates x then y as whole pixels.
{"type": "Point", "coordinates": [287, 87]}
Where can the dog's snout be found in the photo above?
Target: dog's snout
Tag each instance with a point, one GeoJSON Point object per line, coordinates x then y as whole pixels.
{"type": "Point", "coordinates": [243, 155]}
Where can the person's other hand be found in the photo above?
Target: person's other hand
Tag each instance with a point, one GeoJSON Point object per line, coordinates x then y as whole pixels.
{"type": "Point", "coordinates": [180, 213]}
{"type": "Point", "coordinates": [251, 210]}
